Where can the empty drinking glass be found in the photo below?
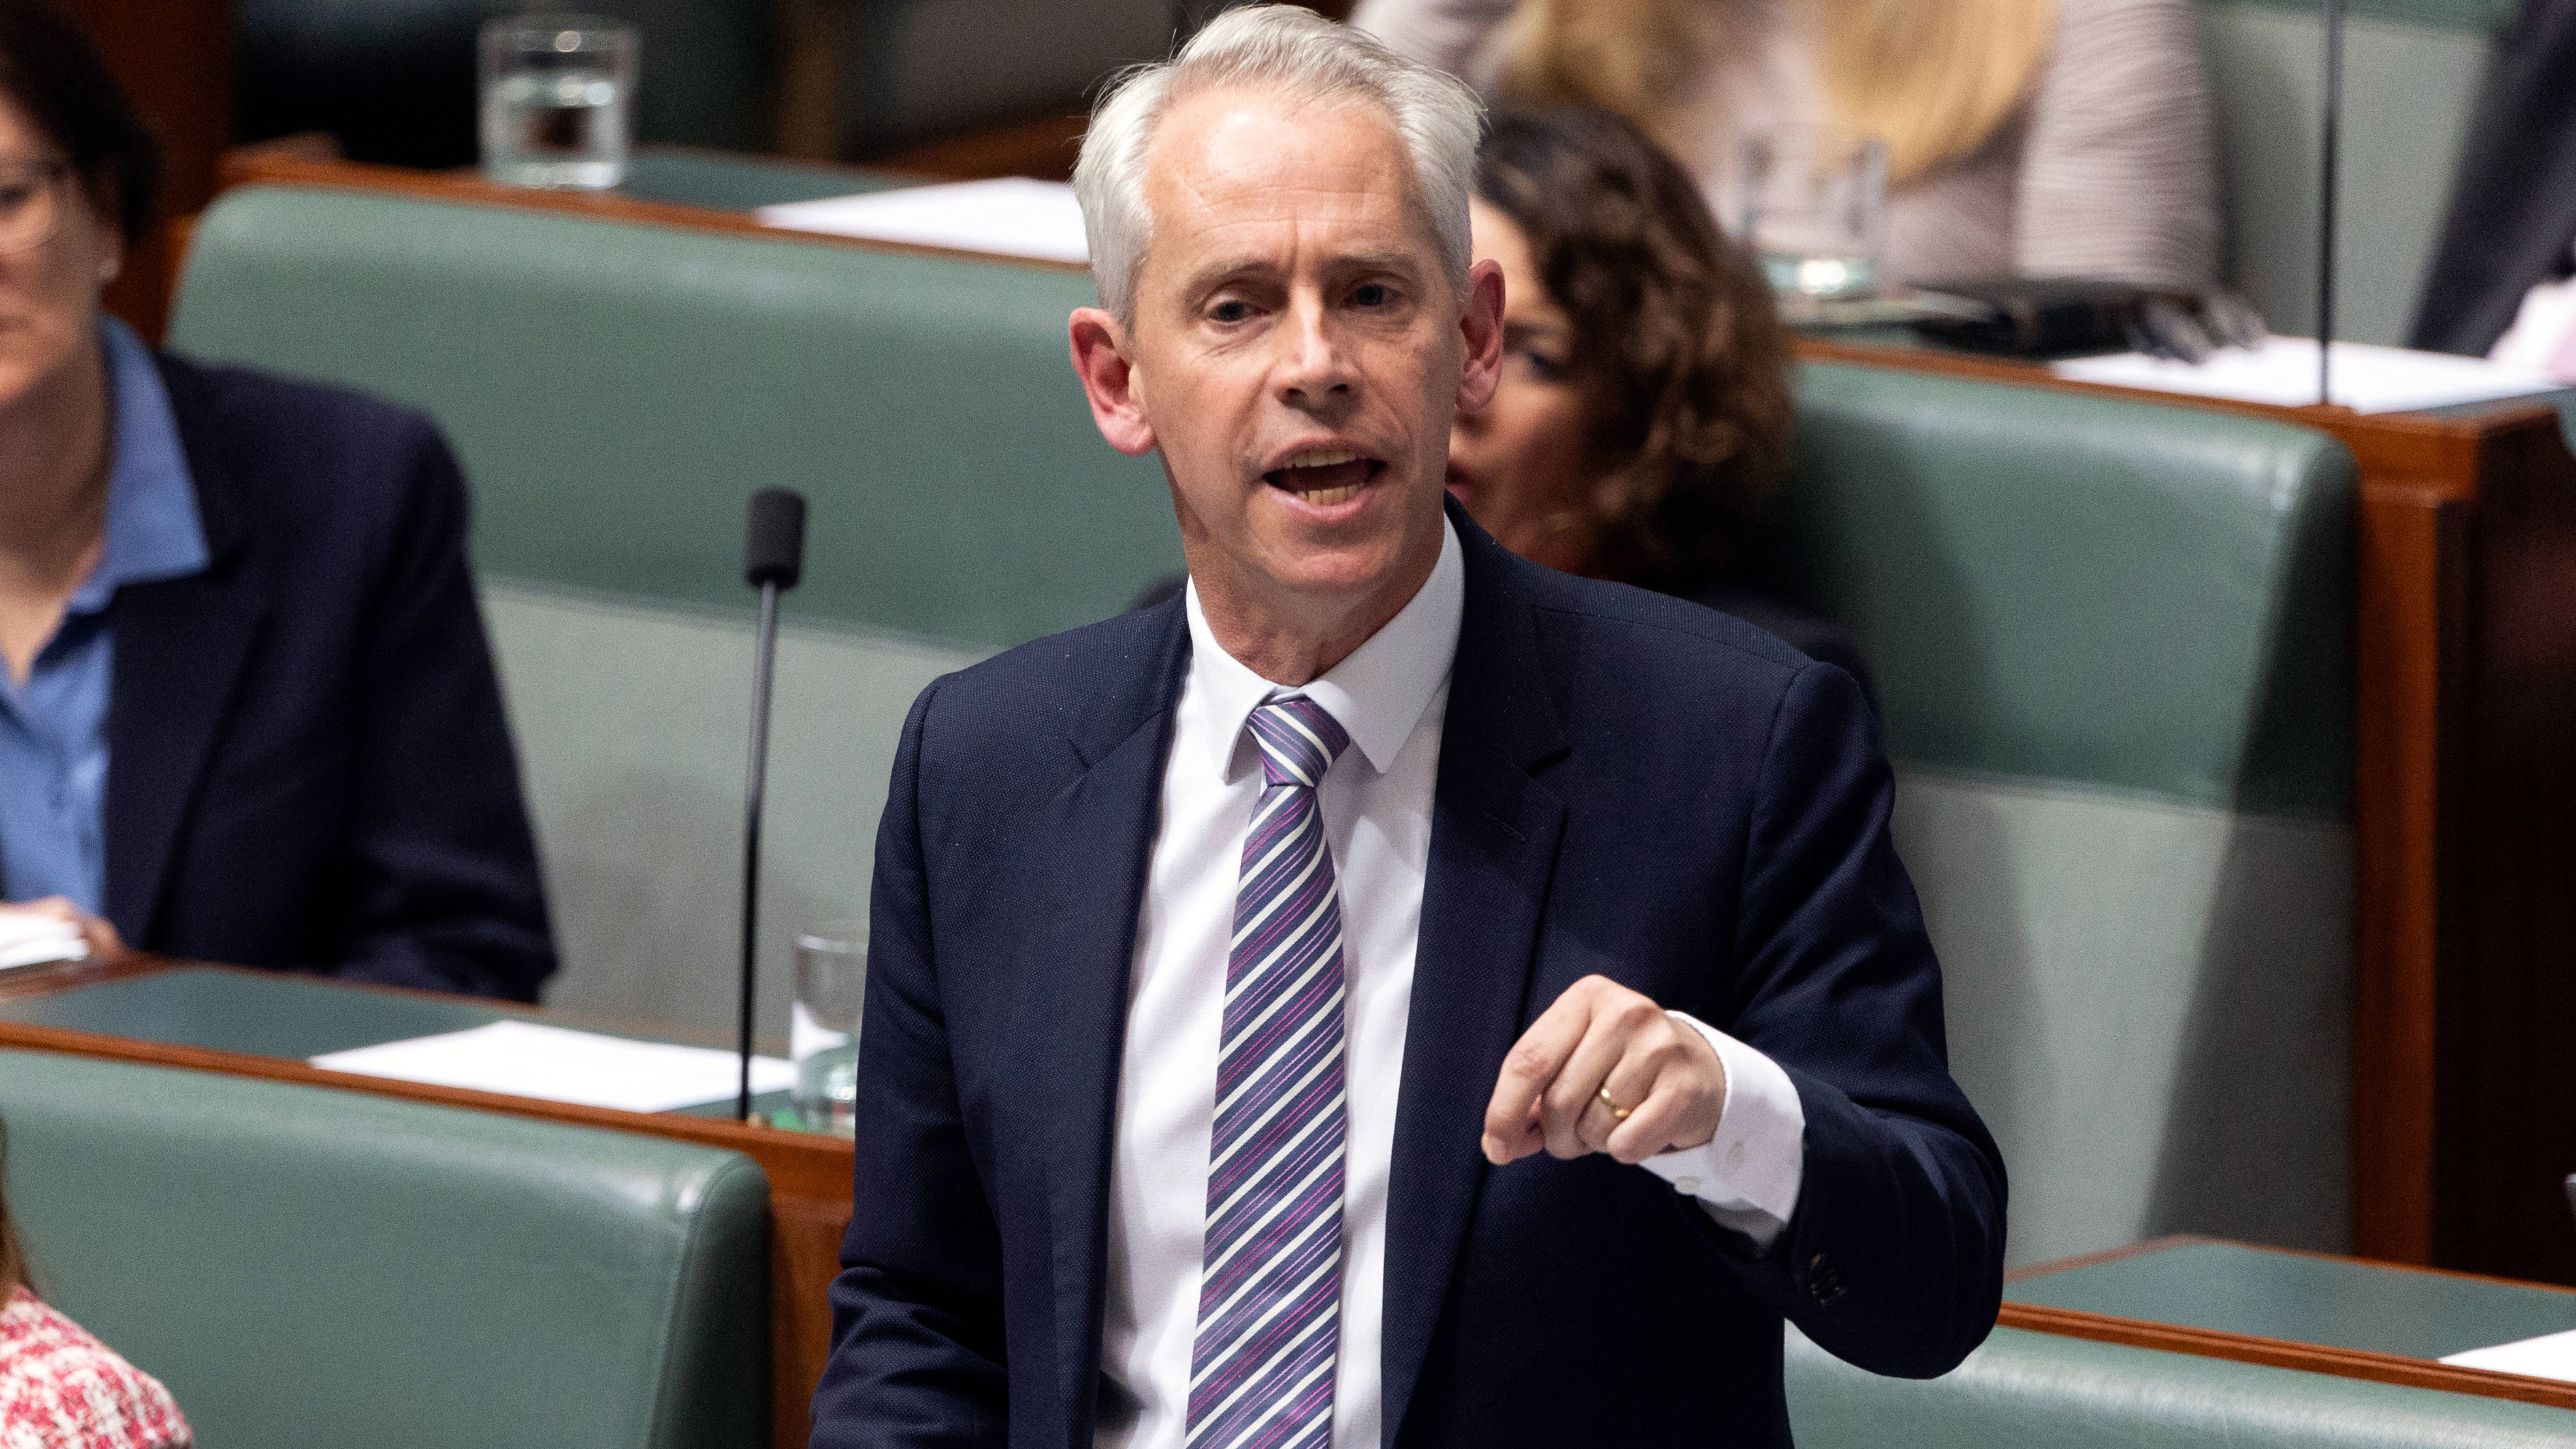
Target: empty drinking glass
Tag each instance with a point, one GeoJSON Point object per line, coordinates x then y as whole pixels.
{"type": "Point", "coordinates": [557, 94]}
{"type": "Point", "coordinates": [823, 1025]}
{"type": "Point", "coordinates": [1812, 203]}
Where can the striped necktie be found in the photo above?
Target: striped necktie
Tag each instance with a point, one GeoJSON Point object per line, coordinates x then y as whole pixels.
{"type": "Point", "coordinates": [1261, 1374]}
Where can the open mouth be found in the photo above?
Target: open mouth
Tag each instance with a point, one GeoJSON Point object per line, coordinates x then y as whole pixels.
{"type": "Point", "coordinates": [1325, 476]}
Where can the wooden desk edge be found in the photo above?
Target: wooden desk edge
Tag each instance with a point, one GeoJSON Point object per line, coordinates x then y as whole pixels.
{"type": "Point", "coordinates": [2350, 1363]}
{"type": "Point", "coordinates": [1975, 368]}
{"type": "Point", "coordinates": [798, 1164]}
{"type": "Point", "coordinates": [252, 167]}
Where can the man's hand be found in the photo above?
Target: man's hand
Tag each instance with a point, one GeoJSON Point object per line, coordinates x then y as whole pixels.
{"type": "Point", "coordinates": [104, 944]}
{"type": "Point", "coordinates": [1600, 1037]}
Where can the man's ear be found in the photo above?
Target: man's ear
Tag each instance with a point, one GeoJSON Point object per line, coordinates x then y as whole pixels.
{"type": "Point", "coordinates": [1109, 381]}
{"type": "Point", "coordinates": [1481, 320]}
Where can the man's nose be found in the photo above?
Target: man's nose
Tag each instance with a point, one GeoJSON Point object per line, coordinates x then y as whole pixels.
{"type": "Point", "coordinates": [1315, 372]}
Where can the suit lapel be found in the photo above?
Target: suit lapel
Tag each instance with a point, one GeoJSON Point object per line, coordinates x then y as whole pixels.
{"type": "Point", "coordinates": [1494, 836]}
{"type": "Point", "coordinates": [1099, 835]}
{"type": "Point", "coordinates": [180, 646]}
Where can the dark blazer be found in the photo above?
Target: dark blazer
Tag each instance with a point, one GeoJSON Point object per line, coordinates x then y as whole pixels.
{"type": "Point", "coordinates": [2512, 220]}
{"type": "Point", "coordinates": [1628, 784]}
{"type": "Point", "coordinates": [307, 762]}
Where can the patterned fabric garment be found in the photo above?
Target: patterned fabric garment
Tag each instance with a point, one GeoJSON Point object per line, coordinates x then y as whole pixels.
{"type": "Point", "coordinates": [1261, 1372]}
{"type": "Point", "coordinates": [60, 1388]}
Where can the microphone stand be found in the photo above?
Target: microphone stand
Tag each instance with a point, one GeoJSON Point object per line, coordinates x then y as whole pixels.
{"type": "Point", "coordinates": [2330, 124]}
{"type": "Point", "coordinates": [765, 654]}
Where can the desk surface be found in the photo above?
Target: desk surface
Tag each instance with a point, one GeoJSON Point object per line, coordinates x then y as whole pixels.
{"type": "Point", "coordinates": [292, 1017]}
{"type": "Point", "coordinates": [2341, 1316]}
{"type": "Point", "coordinates": [2305, 1298]}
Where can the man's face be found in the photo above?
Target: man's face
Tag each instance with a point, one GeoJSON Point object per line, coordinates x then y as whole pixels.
{"type": "Point", "coordinates": [1297, 352]}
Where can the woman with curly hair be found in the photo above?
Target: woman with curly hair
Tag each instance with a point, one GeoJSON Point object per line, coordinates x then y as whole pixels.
{"type": "Point", "coordinates": [1643, 416]}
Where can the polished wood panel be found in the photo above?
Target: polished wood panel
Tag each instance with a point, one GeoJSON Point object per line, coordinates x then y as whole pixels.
{"type": "Point", "coordinates": [809, 1174]}
{"type": "Point", "coordinates": [175, 58]}
{"type": "Point", "coordinates": [1044, 148]}
{"type": "Point", "coordinates": [2410, 545]}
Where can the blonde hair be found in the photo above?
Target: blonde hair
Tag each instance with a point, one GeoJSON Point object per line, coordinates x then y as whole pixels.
{"type": "Point", "coordinates": [1934, 77]}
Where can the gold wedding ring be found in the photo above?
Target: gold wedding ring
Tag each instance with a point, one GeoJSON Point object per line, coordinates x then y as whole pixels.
{"type": "Point", "coordinates": [1617, 1112]}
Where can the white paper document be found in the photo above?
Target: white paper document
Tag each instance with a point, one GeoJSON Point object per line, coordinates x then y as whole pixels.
{"type": "Point", "coordinates": [2283, 371]}
{"type": "Point", "coordinates": [1012, 216]}
{"type": "Point", "coordinates": [2550, 1356]}
{"type": "Point", "coordinates": [525, 1059]}
{"type": "Point", "coordinates": [28, 938]}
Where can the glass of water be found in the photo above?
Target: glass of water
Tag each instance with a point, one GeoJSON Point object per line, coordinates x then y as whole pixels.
{"type": "Point", "coordinates": [1812, 203]}
{"type": "Point", "coordinates": [557, 94]}
{"type": "Point", "coordinates": [823, 1027]}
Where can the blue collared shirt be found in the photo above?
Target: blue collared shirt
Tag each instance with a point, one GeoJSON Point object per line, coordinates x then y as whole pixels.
{"type": "Point", "coordinates": [53, 729]}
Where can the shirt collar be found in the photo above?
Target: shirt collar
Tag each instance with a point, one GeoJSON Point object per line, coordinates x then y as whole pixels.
{"type": "Point", "coordinates": [1378, 692]}
{"type": "Point", "coordinates": [153, 527]}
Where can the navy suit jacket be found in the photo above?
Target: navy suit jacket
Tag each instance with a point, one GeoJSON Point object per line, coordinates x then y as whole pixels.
{"type": "Point", "coordinates": [307, 762]}
{"type": "Point", "coordinates": [2513, 199]}
{"type": "Point", "coordinates": [1629, 785]}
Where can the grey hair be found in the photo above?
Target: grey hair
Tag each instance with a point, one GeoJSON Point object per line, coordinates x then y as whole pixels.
{"type": "Point", "coordinates": [1300, 53]}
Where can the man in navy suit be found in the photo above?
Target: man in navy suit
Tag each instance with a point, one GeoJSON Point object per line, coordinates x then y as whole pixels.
{"type": "Point", "coordinates": [1391, 994]}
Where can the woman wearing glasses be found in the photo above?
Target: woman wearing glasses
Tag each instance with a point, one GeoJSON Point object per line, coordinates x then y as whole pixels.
{"type": "Point", "coordinates": [248, 712]}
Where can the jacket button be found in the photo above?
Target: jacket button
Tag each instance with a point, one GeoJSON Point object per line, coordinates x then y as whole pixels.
{"type": "Point", "coordinates": [1824, 1280]}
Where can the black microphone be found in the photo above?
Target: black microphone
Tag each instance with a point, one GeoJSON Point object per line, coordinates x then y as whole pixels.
{"type": "Point", "coordinates": [773, 550]}
{"type": "Point", "coordinates": [773, 558]}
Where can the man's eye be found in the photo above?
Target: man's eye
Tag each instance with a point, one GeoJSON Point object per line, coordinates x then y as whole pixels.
{"type": "Point", "coordinates": [1230, 312]}
{"type": "Point", "coordinates": [1371, 294]}
{"type": "Point", "coordinates": [14, 197]}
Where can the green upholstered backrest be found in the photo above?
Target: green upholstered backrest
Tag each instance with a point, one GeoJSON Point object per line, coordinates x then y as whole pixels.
{"type": "Point", "coordinates": [2113, 645]}
{"type": "Point", "coordinates": [307, 1266]}
{"type": "Point", "coordinates": [2153, 601]}
{"type": "Point", "coordinates": [2041, 1391]}
{"type": "Point", "coordinates": [2111, 639]}
{"type": "Point", "coordinates": [617, 392]}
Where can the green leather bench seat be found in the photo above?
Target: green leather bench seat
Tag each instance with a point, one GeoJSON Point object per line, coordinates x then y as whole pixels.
{"type": "Point", "coordinates": [2112, 641]}
{"type": "Point", "coordinates": [2113, 646]}
{"type": "Point", "coordinates": [617, 392]}
{"type": "Point", "coordinates": [307, 1266]}
{"type": "Point", "coordinates": [2040, 1391]}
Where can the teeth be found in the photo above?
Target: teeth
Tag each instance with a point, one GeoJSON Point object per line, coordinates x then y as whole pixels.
{"type": "Point", "coordinates": [1322, 458]}
{"type": "Point", "coordinates": [1327, 497]}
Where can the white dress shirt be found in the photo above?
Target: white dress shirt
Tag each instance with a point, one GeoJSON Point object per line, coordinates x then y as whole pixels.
{"type": "Point", "coordinates": [1391, 694]}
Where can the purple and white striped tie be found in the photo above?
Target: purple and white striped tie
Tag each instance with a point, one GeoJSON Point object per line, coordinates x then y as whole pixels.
{"type": "Point", "coordinates": [1261, 1374]}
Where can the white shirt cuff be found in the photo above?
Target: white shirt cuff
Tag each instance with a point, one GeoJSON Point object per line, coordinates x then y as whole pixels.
{"type": "Point", "coordinates": [1747, 1176]}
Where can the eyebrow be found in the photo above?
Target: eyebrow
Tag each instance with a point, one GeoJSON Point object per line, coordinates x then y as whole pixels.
{"type": "Point", "coordinates": [1385, 259]}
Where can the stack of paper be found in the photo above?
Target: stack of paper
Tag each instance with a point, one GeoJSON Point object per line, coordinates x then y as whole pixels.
{"type": "Point", "coordinates": [1013, 217]}
{"type": "Point", "coordinates": [2550, 1356]}
{"type": "Point", "coordinates": [549, 1062]}
{"type": "Point", "coordinates": [28, 938]}
{"type": "Point", "coordinates": [2283, 371]}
